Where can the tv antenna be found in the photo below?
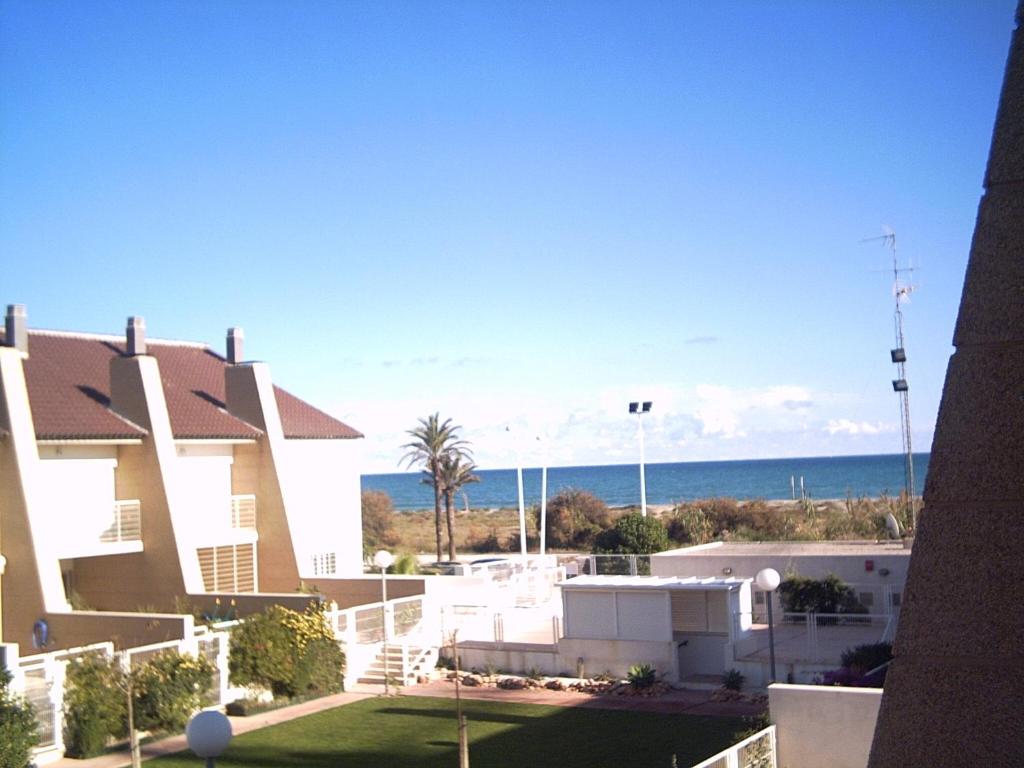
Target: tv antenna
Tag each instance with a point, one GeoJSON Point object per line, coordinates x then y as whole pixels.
{"type": "Point", "coordinates": [901, 295]}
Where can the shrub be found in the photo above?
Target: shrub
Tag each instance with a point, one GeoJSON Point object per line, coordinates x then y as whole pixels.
{"type": "Point", "coordinates": [405, 564]}
{"type": "Point", "coordinates": [642, 676]}
{"type": "Point", "coordinates": [378, 521]}
{"type": "Point", "coordinates": [800, 594]}
{"type": "Point", "coordinates": [864, 658]}
{"type": "Point", "coordinates": [733, 680]}
{"type": "Point", "coordinates": [633, 534]}
{"type": "Point", "coordinates": [168, 689]}
{"type": "Point", "coordinates": [574, 518]}
{"type": "Point", "coordinates": [95, 706]}
{"type": "Point", "coordinates": [18, 734]}
{"type": "Point", "coordinates": [286, 652]}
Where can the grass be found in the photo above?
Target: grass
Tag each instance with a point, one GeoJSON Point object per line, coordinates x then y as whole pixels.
{"type": "Point", "coordinates": [421, 733]}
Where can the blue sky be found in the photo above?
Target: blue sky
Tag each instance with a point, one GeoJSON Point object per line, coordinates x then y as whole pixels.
{"type": "Point", "coordinates": [515, 213]}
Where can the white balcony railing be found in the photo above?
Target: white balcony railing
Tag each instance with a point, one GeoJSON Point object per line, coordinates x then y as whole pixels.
{"type": "Point", "coordinates": [243, 511]}
{"type": "Point", "coordinates": [127, 523]}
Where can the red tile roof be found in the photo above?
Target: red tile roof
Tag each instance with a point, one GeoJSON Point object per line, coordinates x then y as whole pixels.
{"type": "Point", "coordinates": [68, 378]}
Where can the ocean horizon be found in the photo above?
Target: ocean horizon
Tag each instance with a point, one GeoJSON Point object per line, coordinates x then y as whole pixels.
{"type": "Point", "coordinates": [823, 477]}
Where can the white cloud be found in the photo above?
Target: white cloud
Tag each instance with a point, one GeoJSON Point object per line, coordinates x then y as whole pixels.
{"type": "Point", "coordinates": [848, 427]}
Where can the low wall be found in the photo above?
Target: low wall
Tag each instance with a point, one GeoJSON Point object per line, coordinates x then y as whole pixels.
{"type": "Point", "coordinates": [227, 605]}
{"type": "Point", "coordinates": [348, 593]}
{"type": "Point", "coordinates": [823, 725]}
{"type": "Point", "coordinates": [512, 657]}
{"type": "Point", "coordinates": [126, 630]}
{"type": "Point", "coordinates": [617, 656]}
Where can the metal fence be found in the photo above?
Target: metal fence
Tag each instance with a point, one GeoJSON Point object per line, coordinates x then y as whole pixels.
{"type": "Point", "coordinates": [757, 751]}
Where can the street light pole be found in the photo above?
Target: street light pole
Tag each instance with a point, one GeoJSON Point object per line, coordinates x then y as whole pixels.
{"type": "Point", "coordinates": [543, 496]}
{"type": "Point", "coordinates": [768, 580]}
{"type": "Point", "coordinates": [640, 408]}
{"type": "Point", "coordinates": [383, 560]}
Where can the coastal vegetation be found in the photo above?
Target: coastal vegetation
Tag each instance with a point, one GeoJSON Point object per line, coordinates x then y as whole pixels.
{"type": "Point", "coordinates": [576, 519]}
{"type": "Point", "coordinates": [434, 444]}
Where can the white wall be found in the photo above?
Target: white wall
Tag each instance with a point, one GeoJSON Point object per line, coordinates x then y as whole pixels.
{"type": "Point", "coordinates": [823, 725]}
{"type": "Point", "coordinates": [77, 489]}
{"type": "Point", "coordinates": [617, 614]}
{"type": "Point", "coordinates": [203, 475]}
{"type": "Point", "coordinates": [325, 507]}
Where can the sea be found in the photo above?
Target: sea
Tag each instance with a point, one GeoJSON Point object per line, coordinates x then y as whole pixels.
{"type": "Point", "coordinates": [821, 477]}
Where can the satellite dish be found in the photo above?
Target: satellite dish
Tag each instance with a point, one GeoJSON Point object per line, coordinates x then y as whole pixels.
{"type": "Point", "coordinates": [892, 526]}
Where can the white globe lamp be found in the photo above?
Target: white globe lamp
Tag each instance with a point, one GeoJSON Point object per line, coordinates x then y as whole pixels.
{"type": "Point", "coordinates": [208, 734]}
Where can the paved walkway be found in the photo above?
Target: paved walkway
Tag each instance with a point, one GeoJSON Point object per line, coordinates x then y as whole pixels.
{"type": "Point", "coordinates": [675, 702]}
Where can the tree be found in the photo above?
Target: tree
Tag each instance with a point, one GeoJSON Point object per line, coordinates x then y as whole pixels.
{"type": "Point", "coordinates": [18, 734]}
{"type": "Point", "coordinates": [633, 535]}
{"type": "Point", "coordinates": [378, 521]}
{"type": "Point", "coordinates": [574, 518]}
{"type": "Point", "coordinates": [456, 472]}
{"type": "Point", "coordinates": [433, 440]}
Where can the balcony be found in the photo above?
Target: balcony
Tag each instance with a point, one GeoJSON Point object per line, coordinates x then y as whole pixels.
{"type": "Point", "coordinates": [127, 523]}
{"type": "Point", "coordinates": [96, 533]}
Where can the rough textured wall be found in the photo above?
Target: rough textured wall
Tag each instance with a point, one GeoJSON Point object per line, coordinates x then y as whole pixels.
{"type": "Point", "coordinates": [953, 694]}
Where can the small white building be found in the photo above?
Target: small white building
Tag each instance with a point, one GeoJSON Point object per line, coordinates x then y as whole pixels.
{"type": "Point", "coordinates": [683, 627]}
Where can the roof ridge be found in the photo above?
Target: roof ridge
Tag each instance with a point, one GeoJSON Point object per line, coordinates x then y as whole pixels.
{"type": "Point", "coordinates": [115, 337]}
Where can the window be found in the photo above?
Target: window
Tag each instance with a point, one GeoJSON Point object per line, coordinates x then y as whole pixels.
{"type": "Point", "coordinates": [229, 568]}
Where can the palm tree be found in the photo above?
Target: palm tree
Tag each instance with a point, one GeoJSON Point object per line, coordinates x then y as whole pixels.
{"type": "Point", "coordinates": [433, 440]}
{"type": "Point", "coordinates": [454, 475]}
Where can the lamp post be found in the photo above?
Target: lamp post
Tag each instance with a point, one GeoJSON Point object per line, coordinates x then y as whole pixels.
{"type": "Point", "coordinates": [383, 560]}
{"type": "Point", "coordinates": [768, 580]}
{"type": "Point", "coordinates": [522, 507]}
{"type": "Point", "coordinates": [208, 734]}
{"type": "Point", "coordinates": [640, 408]}
{"type": "Point", "coordinates": [543, 495]}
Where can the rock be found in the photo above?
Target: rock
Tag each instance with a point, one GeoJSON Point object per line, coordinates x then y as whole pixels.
{"type": "Point", "coordinates": [472, 681]}
{"type": "Point", "coordinates": [555, 685]}
{"type": "Point", "coordinates": [512, 683]}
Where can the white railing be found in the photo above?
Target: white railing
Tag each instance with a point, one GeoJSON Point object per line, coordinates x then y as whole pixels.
{"type": "Point", "coordinates": [243, 511]}
{"type": "Point", "coordinates": [614, 565]}
{"type": "Point", "coordinates": [40, 678]}
{"type": "Point", "coordinates": [757, 751]}
{"type": "Point", "coordinates": [361, 631]}
{"type": "Point", "coordinates": [812, 637]}
{"type": "Point", "coordinates": [127, 523]}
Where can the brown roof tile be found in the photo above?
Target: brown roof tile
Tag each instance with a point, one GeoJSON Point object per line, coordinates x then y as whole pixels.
{"type": "Point", "coordinates": [68, 378]}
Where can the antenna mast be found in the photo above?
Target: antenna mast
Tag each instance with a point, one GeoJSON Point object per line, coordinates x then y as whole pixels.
{"type": "Point", "coordinates": [901, 293]}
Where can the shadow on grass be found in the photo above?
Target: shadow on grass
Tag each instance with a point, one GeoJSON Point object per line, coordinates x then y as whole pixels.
{"type": "Point", "coordinates": [422, 734]}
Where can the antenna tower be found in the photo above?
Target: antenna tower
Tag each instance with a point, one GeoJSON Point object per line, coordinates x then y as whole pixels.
{"type": "Point", "coordinates": [901, 293]}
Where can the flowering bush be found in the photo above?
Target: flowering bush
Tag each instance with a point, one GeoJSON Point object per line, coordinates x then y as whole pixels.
{"type": "Point", "coordinates": [168, 689]}
{"type": "Point", "coordinates": [287, 653]}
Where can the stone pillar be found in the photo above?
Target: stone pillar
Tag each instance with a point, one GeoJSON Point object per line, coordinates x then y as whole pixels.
{"type": "Point", "coordinates": [953, 693]}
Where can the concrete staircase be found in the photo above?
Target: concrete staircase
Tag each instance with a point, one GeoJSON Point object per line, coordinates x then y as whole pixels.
{"type": "Point", "coordinates": [421, 660]}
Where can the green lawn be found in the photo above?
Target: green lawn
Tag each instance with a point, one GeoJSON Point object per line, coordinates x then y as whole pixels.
{"type": "Point", "coordinates": [420, 732]}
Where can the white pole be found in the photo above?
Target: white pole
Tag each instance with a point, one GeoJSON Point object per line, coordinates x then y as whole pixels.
{"type": "Point", "coordinates": [522, 509]}
{"type": "Point", "coordinates": [543, 497]}
{"type": "Point", "coordinates": [384, 617]}
{"type": "Point", "coordinates": [643, 481]}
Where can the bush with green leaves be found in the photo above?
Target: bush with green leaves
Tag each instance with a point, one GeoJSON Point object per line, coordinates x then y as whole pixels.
{"type": "Point", "coordinates": [287, 652]}
{"type": "Point", "coordinates": [864, 658]}
{"type": "Point", "coordinates": [169, 689]}
{"type": "Point", "coordinates": [95, 704]}
{"type": "Point", "coordinates": [633, 535]}
{"type": "Point", "coordinates": [800, 594]}
{"type": "Point", "coordinates": [642, 675]}
{"type": "Point", "coordinates": [18, 728]}
{"type": "Point", "coordinates": [574, 518]}
{"type": "Point", "coordinates": [733, 680]}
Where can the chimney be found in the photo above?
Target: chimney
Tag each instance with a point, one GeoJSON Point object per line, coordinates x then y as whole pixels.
{"type": "Point", "coordinates": [135, 335]}
{"type": "Point", "coordinates": [16, 327]}
{"type": "Point", "coordinates": [236, 337]}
